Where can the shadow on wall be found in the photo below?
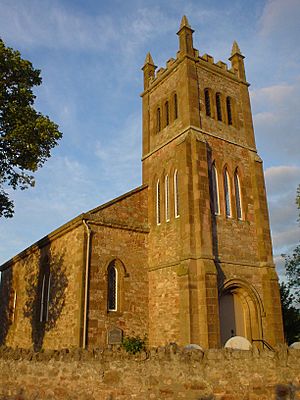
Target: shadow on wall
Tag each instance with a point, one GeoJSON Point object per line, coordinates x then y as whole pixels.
{"type": "Point", "coordinates": [45, 292]}
{"type": "Point", "coordinates": [212, 188]}
{"type": "Point", "coordinates": [5, 304]}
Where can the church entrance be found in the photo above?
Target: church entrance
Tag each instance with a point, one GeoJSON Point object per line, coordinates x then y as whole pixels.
{"type": "Point", "coordinates": [232, 317]}
{"type": "Point", "coordinates": [240, 312]}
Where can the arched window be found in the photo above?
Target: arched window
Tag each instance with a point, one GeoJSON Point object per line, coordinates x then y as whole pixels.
{"type": "Point", "coordinates": [167, 205]}
{"type": "Point", "coordinates": [176, 194]}
{"type": "Point", "coordinates": [112, 289]}
{"type": "Point", "coordinates": [12, 304]}
{"type": "Point", "coordinates": [227, 194]}
{"type": "Point", "coordinates": [167, 113]}
{"type": "Point", "coordinates": [229, 110]}
{"type": "Point", "coordinates": [175, 106]}
{"type": "Point", "coordinates": [158, 120]}
{"type": "Point", "coordinates": [215, 189]}
{"type": "Point", "coordinates": [158, 202]}
{"type": "Point", "coordinates": [219, 108]}
{"type": "Point", "coordinates": [45, 297]}
{"type": "Point", "coordinates": [238, 199]}
{"type": "Point", "coordinates": [207, 102]}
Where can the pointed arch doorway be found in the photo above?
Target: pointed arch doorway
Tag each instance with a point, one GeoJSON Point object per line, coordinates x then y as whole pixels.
{"type": "Point", "coordinates": [240, 311]}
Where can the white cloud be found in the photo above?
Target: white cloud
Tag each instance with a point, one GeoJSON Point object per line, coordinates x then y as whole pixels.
{"type": "Point", "coordinates": [282, 182]}
{"type": "Point", "coordinates": [286, 239]}
{"type": "Point", "coordinates": [120, 156]}
{"type": "Point", "coordinates": [276, 94]}
{"type": "Point", "coordinates": [280, 15]}
{"type": "Point", "coordinates": [282, 179]}
{"type": "Point", "coordinates": [276, 120]}
{"type": "Point", "coordinates": [55, 26]}
{"type": "Point", "coordinates": [265, 118]}
{"type": "Point", "coordinates": [45, 24]}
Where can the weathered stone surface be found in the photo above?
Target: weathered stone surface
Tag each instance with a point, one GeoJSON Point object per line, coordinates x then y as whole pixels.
{"type": "Point", "coordinates": [251, 376]}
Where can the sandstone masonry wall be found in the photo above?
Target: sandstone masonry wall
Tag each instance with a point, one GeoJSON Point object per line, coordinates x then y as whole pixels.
{"type": "Point", "coordinates": [163, 373]}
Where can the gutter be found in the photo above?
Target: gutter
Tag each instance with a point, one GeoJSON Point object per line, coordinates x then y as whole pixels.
{"type": "Point", "coordinates": [86, 286]}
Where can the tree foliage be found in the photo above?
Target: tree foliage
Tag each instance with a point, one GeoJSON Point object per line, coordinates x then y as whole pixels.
{"type": "Point", "coordinates": [290, 315]}
{"type": "Point", "coordinates": [290, 292]}
{"type": "Point", "coordinates": [292, 262]}
{"type": "Point", "coordinates": [292, 268]}
{"type": "Point", "coordinates": [26, 136]}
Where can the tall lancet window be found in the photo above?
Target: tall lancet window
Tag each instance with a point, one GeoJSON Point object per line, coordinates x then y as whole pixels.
{"type": "Point", "coordinates": [175, 106]}
{"type": "Point", "coordinates": [229, 110]}
{"type": "Point", "coordinates": [167, 202]}
{"type": "Point", "coordinates": [176, 194]}
{"type": "Point", "coordinates": [219, 107]}
{"type": "Point", "coordinates": [215, 189]}
{"type": "Point", "coordinates": [238, 198]}
{"type": "Point", "coordinates": [207, 102]}
{"type": "Point", "coordinates": [158, 202]}
{"type": "Point", "coordinates": [167, 113]}
{"type": "Point", "coordinates": [45, 297]}
{"type": "Point", "coordinates": [227, 193]}
{"type": "Point", "coordinates": [112, 283]}
{"type": "Point", "coordinates": [12, 304]}
{"type": "Point", "coordinates": [158, 120]}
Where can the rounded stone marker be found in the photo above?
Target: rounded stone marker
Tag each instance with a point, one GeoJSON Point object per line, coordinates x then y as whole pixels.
{"type": "Point", "coordinates": [295, 345]}
{"type": "Point", "coordinates": [193, 346]}
{"type": "Point", "coordinates": [238, 343]}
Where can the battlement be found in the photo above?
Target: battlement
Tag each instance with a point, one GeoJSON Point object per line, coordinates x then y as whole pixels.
{"type": "Point", "coordinates": [236, 71]}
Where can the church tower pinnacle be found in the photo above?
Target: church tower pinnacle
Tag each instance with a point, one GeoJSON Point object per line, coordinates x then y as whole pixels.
{"type": "Point", "coordinates": [237, 61]}
{"type": "Point", "coordinates": [149, 70]}
{"type": "Point", "coordinates": [185, 34]}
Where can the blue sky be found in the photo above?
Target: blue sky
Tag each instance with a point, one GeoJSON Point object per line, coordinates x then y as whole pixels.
{"type": "Point", "coordinates": [90, 53]}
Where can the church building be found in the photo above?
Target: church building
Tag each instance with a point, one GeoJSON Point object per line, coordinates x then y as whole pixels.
{"type": "Point", "coordinates": [187, 256]}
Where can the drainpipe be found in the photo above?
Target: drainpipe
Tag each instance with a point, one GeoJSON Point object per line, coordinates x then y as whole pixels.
{"type": "Point", "coordinates": [87, 266]}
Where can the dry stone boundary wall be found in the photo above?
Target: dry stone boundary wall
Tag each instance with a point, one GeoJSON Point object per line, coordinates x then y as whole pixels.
{"type": "Point", "coordinates": [162, 373]}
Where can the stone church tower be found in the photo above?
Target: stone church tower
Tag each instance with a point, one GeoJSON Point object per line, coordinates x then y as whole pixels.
{"type": "Point", "coordinates": [211, 271]}
{"type": "Point", "coordinates": [187, 256]}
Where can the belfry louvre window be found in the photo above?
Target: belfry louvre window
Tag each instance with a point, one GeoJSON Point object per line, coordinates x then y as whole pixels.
{"type": "Point", "coordinates": [167, 203]}
{"type": "Point", "coordinates": [45, 297]}
{"type": "Point", "coordinates": [175, 106]}
{"type": "Point", "coordinates": [227, 194]}
{"type": "Point", "coordinates": [158, 120]}
{"type": "Point", "coordinates": [215, 189]}
{"type": "Point", "coordinates": [229, 110]}
{"type": "Point", "coordinates": [238, 201]}
{"type": "Point", "coordinates": [167, 113]}
{"type": "Point", "coordinates": [112, 283]}
{"type": "Point", "coordinates": [176, 194]}
{"type": "Point", "coordinates": [158, 202]}
{"type": "Point", "coordinates": [207, 102]}
{"type": "Point", "coordinates": [219, 108]}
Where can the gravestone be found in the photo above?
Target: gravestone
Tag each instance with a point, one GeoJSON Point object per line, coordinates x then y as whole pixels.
{"type": "Point", "coordinates": [193, 346]}
{"type": "Point", "coordinates": [238, 343]}
{"type": "Point", "coordinates": [295, 345]}
{"type": "Point", "coordinates": [114, 336]}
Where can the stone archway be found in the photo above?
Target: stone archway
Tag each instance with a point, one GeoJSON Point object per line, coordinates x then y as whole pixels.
{"type": "Point", "coordinates": [240, 310]}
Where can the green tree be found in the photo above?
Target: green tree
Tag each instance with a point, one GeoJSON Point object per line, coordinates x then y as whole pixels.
{"type": "Point", "coordinates": [292, 268]}
{"type": "Point", "coordinates": [290, 315]}
{"type": "Point", "coordinates": [26, 136]}
{"type": "Point", "coordinates": [292, 262]}
{"type": "Point", "coordinates": [290, 291]}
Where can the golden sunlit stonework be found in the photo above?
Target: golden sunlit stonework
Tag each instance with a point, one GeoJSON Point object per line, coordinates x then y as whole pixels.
{"type": "Point", "coordinates": [187, 256]}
